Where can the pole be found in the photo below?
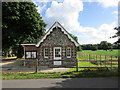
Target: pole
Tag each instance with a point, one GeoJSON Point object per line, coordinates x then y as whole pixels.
{"type": "Point", "coordinates": [24, 56]}
{"type": "Point", "coordinates": [100, 60]}
{"type": "Point", "coordinates": [105, 60]}
{"type": "Point", "coordinates": [111, 61]}
{"type": "Point", "coordinates": [36, 69]}
{"type": "Point", "coordinates": [76, 65]}
{"type": "Point", "coordinates": [118, 63]}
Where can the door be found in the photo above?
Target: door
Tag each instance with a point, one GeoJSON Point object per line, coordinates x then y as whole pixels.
{"type": "Point", "coordinates": [57, 55]}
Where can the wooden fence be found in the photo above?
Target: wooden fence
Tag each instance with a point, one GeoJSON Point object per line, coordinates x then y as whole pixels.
{"type": "Point", "coordinates": [101, 61]}
{"type": "Point", "coordinates": [95, 61]}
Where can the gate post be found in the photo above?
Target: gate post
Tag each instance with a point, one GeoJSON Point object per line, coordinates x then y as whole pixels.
{"type": "Point", "coordinates": [36, 69]}
{"type": "Point", "coordinates": [118, 63]}
{"type": "Point", "coordinates": [76, 65]}
{"type": "Point", "coordinates": [24, 63]}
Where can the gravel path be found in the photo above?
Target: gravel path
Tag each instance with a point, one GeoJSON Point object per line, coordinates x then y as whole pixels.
{"type": "Point", "coordinates": [13, 66]}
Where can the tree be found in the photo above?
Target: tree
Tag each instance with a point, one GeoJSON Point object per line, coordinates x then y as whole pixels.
{"type": "Point", "coordinates": [86, 46]}
{"type": "Point", "coordinates": [94, 47]}
{"type": "Point", "coordinates": [105, 45]}
{"type": "Point", "coordinates": [79, 48]}
{"type": "Point", "coordinates": [115, 46]}
{"type": "Point", "coordinates": [74, 37]}
{"type": "Point", "coordinates": [117, 43]}
{"type": "Point", "coordinates": [21, 23]}
{"type": "Point", "coordinates": [110, 46]}
{"type": "Point", "coordinates": [117, 34]}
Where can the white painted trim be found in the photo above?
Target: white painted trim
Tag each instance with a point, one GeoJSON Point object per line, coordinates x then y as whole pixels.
{"type": "Point", "coordinates": [44, 53]}
{"type": "Point", "coordinates": [51, 29]}
{"type": "Point", "coordinates": [57, 63]}
{"type": "Point", "coordinates": [56, 58]}
{"type": "Point", "coordinates": [70, 52]}
{"type": "Point", "coordinates": [27, 44]}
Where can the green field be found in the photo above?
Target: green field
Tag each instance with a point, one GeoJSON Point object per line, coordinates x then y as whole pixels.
{"type": "Point", "coordinates": [98, 57]}
{"type": "Point", "coordinates": [100, 52]}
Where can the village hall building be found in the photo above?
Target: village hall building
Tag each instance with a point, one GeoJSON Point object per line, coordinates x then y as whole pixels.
{"type": "Point", "coordinates": [56, 48]}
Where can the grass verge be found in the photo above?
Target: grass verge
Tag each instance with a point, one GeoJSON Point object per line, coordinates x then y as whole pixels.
{"type": "Point", "coordinates": [69, 74]}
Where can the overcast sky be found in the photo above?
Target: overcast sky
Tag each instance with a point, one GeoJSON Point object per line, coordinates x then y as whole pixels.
{"type": "Point", "coordinates": [92, 22]}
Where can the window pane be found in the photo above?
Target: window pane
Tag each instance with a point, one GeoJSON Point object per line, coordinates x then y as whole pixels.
{"type": "Point", "coordinates": [45, 52]}
{"type": "Point", "coordinates": [57, 53]}
{"type": "Point", "coordinates": [68, 52]}
{"type": "Point", "coordinates": [28, 54]}
{"type": "Point", "coordinates": [33, 55]}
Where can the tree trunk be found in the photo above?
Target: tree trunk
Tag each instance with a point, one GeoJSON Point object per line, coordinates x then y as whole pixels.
{"type": "Point", "coordinates": [20, 51]}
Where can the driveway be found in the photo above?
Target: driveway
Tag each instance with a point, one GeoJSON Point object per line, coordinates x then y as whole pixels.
{"type": "Point", "coordinates": [111, 82]}
{"type": "Point", "coordinates": [15, 66]}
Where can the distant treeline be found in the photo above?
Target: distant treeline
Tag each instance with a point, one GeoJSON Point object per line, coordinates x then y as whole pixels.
{"type": "Point", "coordinates": [104, 45]}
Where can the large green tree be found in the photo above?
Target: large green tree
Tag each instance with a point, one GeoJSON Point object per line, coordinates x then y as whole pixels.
{"type": "Point", "coordinates": [21, 23]}
{"type": "Point", "coordinates": [117, 35]}
{"type": "Point", "coordinates": [118, 44]}
{"type": "Point", "coordinates": [105, 45]}
{"type": "Point", "coordinates": [76, 39]}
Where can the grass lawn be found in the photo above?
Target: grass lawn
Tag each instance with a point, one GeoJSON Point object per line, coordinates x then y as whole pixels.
{"type": "Point", "coordinates": [98, 55]}
{"type": "Point", "coordinates": [100, 52]}
{"type": "Point", "coordinates": [80, 56]}
{"type": "Point", "coordinates": [70, 74]}
{"type": "Point", "coordinates": [95, 72]}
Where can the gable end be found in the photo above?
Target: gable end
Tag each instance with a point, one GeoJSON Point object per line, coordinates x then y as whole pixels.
{"type": "Point", "coordinates": [57, 24]}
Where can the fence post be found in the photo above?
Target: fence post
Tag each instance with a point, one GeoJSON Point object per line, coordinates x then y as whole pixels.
{"type": "Point", "coordinates": [105, 60]}
{"type": "Point", "coordinates": [24, 63]}
{"type": "Point", "coordinates": [76, 65]}
{"type": "Point", "coordinates": [96, 57]}
{"type": "Point", "coordinates": [36, 69]}
{"type": "Point", "coordinates": [89, 56]}
{"type": "Point", "coordinates": [118, 63]}
{"type": "Point", "coordinates": [100, 60]}
{"type": "Point", "coordinates": [111, 61]}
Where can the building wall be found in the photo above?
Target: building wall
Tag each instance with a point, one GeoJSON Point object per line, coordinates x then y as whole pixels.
{"type": "Point", "coordinates": [30, 48]}
{"type": "Point", "coordinates": [56, 39]}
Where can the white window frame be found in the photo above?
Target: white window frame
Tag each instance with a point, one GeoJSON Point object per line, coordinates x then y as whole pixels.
{"type": "Point", "coordinates": [44, 53]}
{"type": "Point", "coordinates": [30, 54]}
{"type": "Point", "coordinates": [56, 58]}
{"type": "Point", "coordinates": [67, 52]}
{"type": "Point", "coordinates": [27, 54]}
{"type": "Point", "coordinates": [34, 54]}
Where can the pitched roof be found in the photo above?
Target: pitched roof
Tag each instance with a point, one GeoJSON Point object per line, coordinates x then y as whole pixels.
{"type": "Point", "coordinates": [51, 29]}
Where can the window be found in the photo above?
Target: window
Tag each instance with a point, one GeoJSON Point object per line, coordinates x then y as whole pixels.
{"type": "Point", "coordinates": [68, 52]}
{"type": "Point", "coordinates": [57, 52]}
{"type": "Point", "coordinates": [45, 52]}
{"type": "Point", "coordinates": [28, 54]}
{"type": "Point", "coordinates": [31, 54]}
